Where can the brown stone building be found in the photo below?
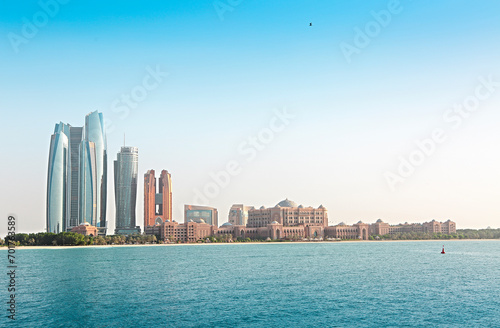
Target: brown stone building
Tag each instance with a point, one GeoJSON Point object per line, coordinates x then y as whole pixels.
{"type": "Point", "coordinates": [288, 214]}
{"type": "Point", "coordinates": [157, 203]}
{"type": "Point", "coordinates": [382, 228]}
{"type": "Point", "coordinates": [85, 229]}
{"type": "Point", "coordinates": [285, 221]}
{"type": "Point", "coordinates": [188, 232]}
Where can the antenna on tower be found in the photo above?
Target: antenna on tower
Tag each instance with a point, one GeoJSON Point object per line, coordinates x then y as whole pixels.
{"type": "Point", "coordinates": [124, 140]}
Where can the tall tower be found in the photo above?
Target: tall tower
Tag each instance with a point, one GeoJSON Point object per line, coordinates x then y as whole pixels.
{"type": "Point", "coordinates": [125, 169]}
{"type": "Point", "coordinates": [165, 189]}
{"type": "Point", "coordinates": [94, 132]}
{"type": "Point", "coordinates": [75, 138]}
{"type": "Point", "coordinates": [157, 205]}
{"type": "Point", "coordinates": [149, 198]}
{"type": "Point", "coordinates": [57, 180]}
{"type": "Point", "coordinates": [88, 184]}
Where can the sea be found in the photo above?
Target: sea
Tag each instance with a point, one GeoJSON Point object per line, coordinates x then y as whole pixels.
{"type": "Point", "coordinates": [324, 284]}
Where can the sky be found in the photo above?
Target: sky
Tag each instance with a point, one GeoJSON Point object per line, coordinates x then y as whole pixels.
{"type": "Point", "coordinates": [380, 109]}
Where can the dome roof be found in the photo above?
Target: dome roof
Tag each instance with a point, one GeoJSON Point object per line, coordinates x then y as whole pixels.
{"type": "Point", "coordinates": [287, 203]}
{"type": "Point", "coordinates": [275, 222]}
{"type": "Point", "coordinates": [227, 224]}
{"type": "Point", "coordinates": [201, 221]}
{"type": "Point", "coordinates": [380, 221]}
{"type": "Point", "coordinates": [342, 223]}
{"type": "Point", "coordinates": [321, 206]}
{"type": "Point", "coordinates": [360, 222]}
{"type": "Point", "coordinates": [262, 207]}
{"type": "Point", "coordinates": [300, 206]}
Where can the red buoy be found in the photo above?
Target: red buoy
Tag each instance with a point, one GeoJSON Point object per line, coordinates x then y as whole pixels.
{"type": "Point", "coordinates": [442, 252]}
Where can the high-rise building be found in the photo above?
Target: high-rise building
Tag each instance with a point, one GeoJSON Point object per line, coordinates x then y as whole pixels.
{"type": "Point", "coordinates": [57, 180]}
{"type": "Point", "coordinates": [88, 184]}
{"type": "Point", "coordinates": [157, 204]}
{"type": "Point", "coordinates": [77, 175]}
{"type": "Point", "coordinates": [126, 168]}
{"type": "Point", "coordinates": [94, 132]}
{"type": "Point", "coordinates": [238, 214]}
{"type": "Point", "coordinates": [75, 138]}
{"type": "Point", "coordinates": [201, 214]}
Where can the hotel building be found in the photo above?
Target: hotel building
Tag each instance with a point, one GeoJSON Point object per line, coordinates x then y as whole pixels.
{"type": "Point", "coordinates": [188, 232]}
{"type": "Point", "coordinates": [286, 220]}
{"type": "Point", "coordinates": [201, 214]}
{"type": "Point", "coordinates": [157, 204]}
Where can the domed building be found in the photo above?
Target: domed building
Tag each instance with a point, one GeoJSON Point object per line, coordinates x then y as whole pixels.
{"type": "Point", "coordinates": [286, 203]}
{"type": "Point", "coordinates": [286, 219]}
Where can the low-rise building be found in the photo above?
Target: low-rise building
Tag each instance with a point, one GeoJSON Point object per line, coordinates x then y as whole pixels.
{"type": "Point", "coordinates": [85, 229]}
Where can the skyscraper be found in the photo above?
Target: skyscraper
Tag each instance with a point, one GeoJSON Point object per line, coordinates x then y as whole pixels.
{"type": "Point", "coordinates": [94, 132]}
{"type": "Point", "coordinates": [75, 138]}
{"type": "Point", "coordinates": [77, 175]}
{"type": "Point", "coordinates": [88, 184]}
{"type": "Point", "coordinates": [157, 206]}
{"type": "Point", "coordinates": [57, 180]}
{"type": "Point", "coordinates": [125, 169]}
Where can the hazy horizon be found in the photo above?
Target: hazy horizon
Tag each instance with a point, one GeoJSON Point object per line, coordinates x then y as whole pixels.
{"type": "Point", "coordinates": [333, 114]}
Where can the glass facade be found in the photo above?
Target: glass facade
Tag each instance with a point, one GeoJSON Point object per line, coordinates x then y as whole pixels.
{"type": "Point", "coordinates": [125, 173]}
{"type": "Point", "coordinates": [196, 215]}
{"type": "Point", "coordinates": [88, 184]}
{"type": "Point", "coordinates": [94, 132]}
{"type": "Point", "coordinates": [77, 175]}
{"type": "Point", "coordinates": [57, 181]}
{"type": "Point", "coordinates": [75, 138]}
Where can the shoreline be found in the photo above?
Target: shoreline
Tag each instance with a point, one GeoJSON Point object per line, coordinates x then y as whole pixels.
{"type": "Point", "coordinates": [248, 243]}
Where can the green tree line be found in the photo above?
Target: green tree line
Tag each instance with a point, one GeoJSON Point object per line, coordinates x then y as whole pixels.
{"type": "Point", "coordinates": [460, 234]}
{"type": "Point", "coordinates": [75, 239]}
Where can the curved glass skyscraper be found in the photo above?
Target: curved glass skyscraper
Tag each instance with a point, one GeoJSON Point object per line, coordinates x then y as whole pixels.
{"type": "Point", "coordinates": [94, 132]}
{"type": "Point", "coordinates": [57, 180]}
{"type": "Point", "coordinates": [126, 168]}
{"type": "Point", "coordinates": [77, 176]}
{"type": "Point", "coordinates": [88, 184]}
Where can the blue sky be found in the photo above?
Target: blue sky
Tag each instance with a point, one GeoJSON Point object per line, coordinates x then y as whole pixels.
{"type": "Point", "coordinates": [353, 121]}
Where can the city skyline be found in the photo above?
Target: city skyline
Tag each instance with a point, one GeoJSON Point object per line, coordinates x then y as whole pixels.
{"type": "Point", "coordinates": [258, 106]}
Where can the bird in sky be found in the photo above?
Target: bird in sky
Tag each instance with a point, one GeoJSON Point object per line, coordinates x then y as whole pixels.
{"type": "Point", "coordinates": [310, 24]}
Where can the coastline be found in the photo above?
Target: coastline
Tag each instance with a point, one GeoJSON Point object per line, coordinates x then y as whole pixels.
{"type": "Point", "coordinates": [249, 243]}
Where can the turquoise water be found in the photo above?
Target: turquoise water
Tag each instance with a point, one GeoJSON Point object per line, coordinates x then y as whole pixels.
{"type": "Point", "coordinates": [403, 284]}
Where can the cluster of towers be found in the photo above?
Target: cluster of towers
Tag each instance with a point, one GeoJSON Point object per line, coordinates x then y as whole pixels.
{"type": "Point", "coordinates": [77, 182]}
{"type": "Point", "coordinates": [77, 175]}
